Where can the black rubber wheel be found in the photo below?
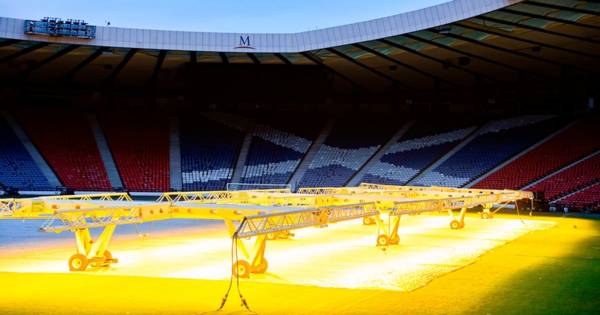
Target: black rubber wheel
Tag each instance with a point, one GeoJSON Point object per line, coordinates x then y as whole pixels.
{"type": "Point", "coordinates": [485, 215]}
{"type": "Point", "coordinates": [395, 240]}
{"type": "Point", "coordinates": [262, 267]}
{"type": "Point", "coordinates": [241, 269]}
{"type": "Point", "coordinates": [368, 221]}
{"type": "Point", "coordinates": [78, 262]}
{"type": "Point", "coordinates": [383, 240]}
{"type": "Point", "coordinates": [454, 224]}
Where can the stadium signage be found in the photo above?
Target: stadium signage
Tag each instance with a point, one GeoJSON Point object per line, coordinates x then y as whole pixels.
{"type": "Point", "coordinates": [244, 43]}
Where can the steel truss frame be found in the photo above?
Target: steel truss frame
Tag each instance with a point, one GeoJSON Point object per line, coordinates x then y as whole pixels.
{"type": "Point", "coordinates": [252, 216]}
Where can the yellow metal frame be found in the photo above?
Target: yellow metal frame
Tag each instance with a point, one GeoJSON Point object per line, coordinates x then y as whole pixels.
{"type": "Point", "coordinates": [274, 213]}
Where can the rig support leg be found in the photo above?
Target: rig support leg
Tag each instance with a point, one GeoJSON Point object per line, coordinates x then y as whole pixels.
{"type": "Point", "coordinates": [457, 222]}
{"type": "Point", "coordinates": [90, 252]}
{"type": "Point", "coordinates": [388, 233]}
{"type": "Point", "coordinates": [486, 213]}
{"type": "Point", "coordinates": [253, 261]}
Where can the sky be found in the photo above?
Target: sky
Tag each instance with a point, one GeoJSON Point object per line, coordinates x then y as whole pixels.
{"type": "Point", "coordinates": [247, 16]}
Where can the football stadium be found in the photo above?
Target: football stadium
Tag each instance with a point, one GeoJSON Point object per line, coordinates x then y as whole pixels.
{"type": "Point", "coordinates": [444, 160]}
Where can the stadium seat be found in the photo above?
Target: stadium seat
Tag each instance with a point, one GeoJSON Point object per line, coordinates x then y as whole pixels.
{"type": "Point", "coordinates": [571, 179]}
{"type": "Point", "coordinates": [422, 145]}
{"type": "Point", "coordinates": [66, 141]}
{"type": "Point", "coordinates": [209, 151]}
{"type": "Point", "coordinates": [17, 168]}
{"type": "Point", "coordinates": [344, 152]}
{"type": "Point", "coordinates": [140, 148]}
{"type": "Point", "coordinates": [574, 143]}
{"type": "Point", "coordinates": [495, 143]}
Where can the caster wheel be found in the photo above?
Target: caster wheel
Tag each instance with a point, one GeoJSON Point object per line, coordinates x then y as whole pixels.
{"type": "Point", "coordinates": [368, 221]}
{"type": "Point", "coordinates": [78, 262]}
{"type": "Point", "coordinates": [454, 224]}
{"type": "Point", "coordinates": [383, 240]}
{"type": "Point", "coordinates": [485, 215]}
{"type": "Point", "coordinates": [241, 269]}
{"type": "Point", "coordinates": [395, 240]}
{"type": "Point", "coordinates": [262, 267]}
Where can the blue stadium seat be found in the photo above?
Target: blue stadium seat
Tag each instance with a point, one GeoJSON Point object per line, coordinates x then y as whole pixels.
{"type": "Point", "coordinates": [17, 168]}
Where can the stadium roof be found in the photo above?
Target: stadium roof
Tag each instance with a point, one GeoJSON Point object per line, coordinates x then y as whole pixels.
{"type": "Point", "coordinates": [452, 44]}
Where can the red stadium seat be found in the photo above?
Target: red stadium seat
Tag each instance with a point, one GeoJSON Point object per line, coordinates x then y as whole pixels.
{"type": "Point", "coordinates": [66, 141]}
{"type": "Point", "coordinates": [140, 147]}
{"type": "Point", "coordinates": [574, 143]}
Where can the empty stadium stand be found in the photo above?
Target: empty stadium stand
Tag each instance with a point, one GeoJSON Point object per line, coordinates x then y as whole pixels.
{"type": "Point", "coordinates": [496, 142]}
{"type": "Point", "coordinates": [586, 198]}
{"type": "Point", "coordinates": [66, 142]}
{"type": "Point", "coordinates": [571, 179]}
{"type": "Point", "coordinates": [276, 152]}
{"type": "Point", "coordinates": [140, 146]}
{"type": "Point", "coordinates": [209, 150]}
{"type": "Point", "coordinates": [422, 145]}
{"type": "Point", "coordinates": [346, 149]}
{"type": "Point", "coordinates": [574, 143]}
{"type": "Point", "coordinates": [17, 169]}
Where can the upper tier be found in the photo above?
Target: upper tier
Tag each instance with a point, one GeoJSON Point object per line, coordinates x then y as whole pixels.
{"type": "Point", "coordinates": [271, 42]}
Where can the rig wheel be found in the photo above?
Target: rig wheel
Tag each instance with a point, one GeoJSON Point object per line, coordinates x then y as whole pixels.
{"type": "Point", "coordinates": [78, 262]}
{"type": "Point", "coordinates": [485, 215]}
{"type": "Point", "coordinates": [241, 269]}
{"type": "Point", "coordinates": [262, 267]}
{"type": "Point", "coordinates": [395, 240]}
{"type": "Point", "coordinates": [454, 224]}
{"type": "Point", "coordinates": [383, 240]}
{"type": "Point", "coordinates": [368, 221]}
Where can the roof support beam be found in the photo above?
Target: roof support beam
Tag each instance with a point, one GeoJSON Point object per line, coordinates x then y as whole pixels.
{"type": "Point", "coordinates": [254, 59]}
{"type": "Point", "coordinates": [442, 62]}
{"type": "Point", "coordinates": [474, 56]}
{"type": "Point", "coordinates": [159, 61]}
{"type": "Point", "coordinates": [282, 58]}
{"type": "Point", "coordinates": [398, 62]}
{"type": "Point", "coordinates": [121, 65]}
{"type": "Point", "coordinates": [316, 60]}
{"type": "Point", "coordinates": [538, 29]}
{"type": "Point", "coordinates": [23, 52]}
{"type": "Point", "coordinates": [362, 65]}
{"type": "Point", "coordinates": [224, 58]}
{"type": "Point", "coordinates": [476, 27]}
{"type": "Point", "coordinates": [46, 61]}
{"type": "Point", "coordinates": [560, 7]}
{"type": "Point", "coordinates": [505, 50]}
{"type": "Point", "coordinates": [549, 18]}
{"type": "Point", "coordinates": [84, 63]}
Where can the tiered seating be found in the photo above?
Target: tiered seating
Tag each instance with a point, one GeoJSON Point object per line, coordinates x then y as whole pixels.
{"type": "Point", "coordinates": [418, 149]}
{"type": "Point", "coordinates": [571, 179]}
{"type": "Point", "coordinates": [66, 141]}
{"type": "Point", "coordinates": [17, 169]}
{"type": "Point", "coordinates": [346, 149]}
{"type": "Point", "coordinates": [140, 148]}
{"type": "Point", "coordinates": [586, 198]}
{"type": "Point", "coordinates": [574, 143]}
{"type": "Point", "coordinates": [274, 154]}
{"type": "Point", "coordinates": [496, 143]}
{"type": "Point", "coordinates": [209, 150]}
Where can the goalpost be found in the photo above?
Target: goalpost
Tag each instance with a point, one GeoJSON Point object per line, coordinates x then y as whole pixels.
{"type": "Point", "coordinates": [248, 186]}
